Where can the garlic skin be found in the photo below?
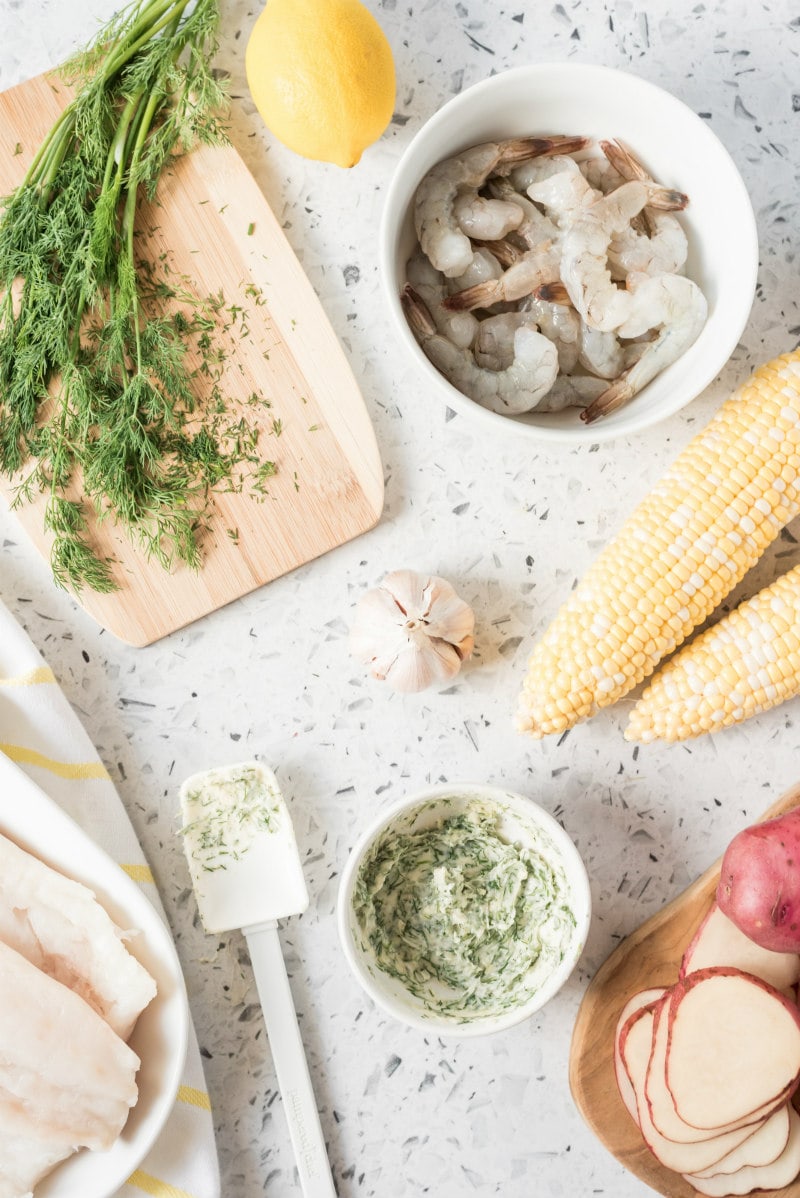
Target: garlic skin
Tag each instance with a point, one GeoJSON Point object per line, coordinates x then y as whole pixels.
{"type": "Point", "coordinates": [412, 631]}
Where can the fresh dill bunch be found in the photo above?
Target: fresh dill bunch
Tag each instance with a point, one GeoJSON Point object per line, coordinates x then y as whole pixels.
{"type": "Point", "coordinates": [96, 389]}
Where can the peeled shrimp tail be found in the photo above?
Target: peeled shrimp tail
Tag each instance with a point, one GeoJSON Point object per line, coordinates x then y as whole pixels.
{"type": "Point", "coordinates": [503, 250]}
{"type": "Point", "coordinates": [625, 162]}
{"type": "Point", "coordinates": [533, 269]}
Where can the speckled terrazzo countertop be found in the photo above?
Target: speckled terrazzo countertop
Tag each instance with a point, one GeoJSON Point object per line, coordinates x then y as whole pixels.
{"type": "Point", "coordinates": [405, 1113]}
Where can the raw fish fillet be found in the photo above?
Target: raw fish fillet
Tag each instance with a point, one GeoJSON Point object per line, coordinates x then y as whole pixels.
{"type": "Point", "coordinates": [59, 926]}
{"type": "Point", "coordinates": [24, 1161]}
{"type": "Point", "coordinates": [65, 1077]}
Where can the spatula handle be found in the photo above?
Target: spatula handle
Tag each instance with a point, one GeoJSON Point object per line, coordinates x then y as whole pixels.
{"type": "Point", "coordinates": [290, 1061]}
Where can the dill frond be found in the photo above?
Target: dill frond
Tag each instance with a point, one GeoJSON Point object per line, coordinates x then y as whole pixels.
{"type": "Point", "coordinates": [95, 388]}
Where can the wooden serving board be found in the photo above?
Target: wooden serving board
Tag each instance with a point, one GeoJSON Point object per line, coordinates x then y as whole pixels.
{"type": "Point", "coordinates": [650, 956]}
{"type": "Point", "coordinates": [212, 220]}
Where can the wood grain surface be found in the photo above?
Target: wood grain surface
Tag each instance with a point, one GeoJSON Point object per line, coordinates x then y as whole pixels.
{"type": "Point", "coordinates": [216, 227]}
{"type": "Point", "coordinates": [650, 956]}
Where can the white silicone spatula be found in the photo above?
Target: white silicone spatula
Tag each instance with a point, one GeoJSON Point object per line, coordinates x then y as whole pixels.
{"type": "Point", "coordinates": [246, 871]}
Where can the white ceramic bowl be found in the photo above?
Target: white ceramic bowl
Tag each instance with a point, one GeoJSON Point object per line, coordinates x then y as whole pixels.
{"type": "Point", "coordinates": [519, 818]}
{"type": "Point", "coordinates": [680, 151]}
{"type": "Point", "coordinates": [31, 819]}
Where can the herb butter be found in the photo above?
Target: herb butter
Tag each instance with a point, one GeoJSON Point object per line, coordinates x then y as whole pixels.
{"type": "Point", "coordinates": [471, 924]}
{"type": "Point", "coordinates": [241, 848]}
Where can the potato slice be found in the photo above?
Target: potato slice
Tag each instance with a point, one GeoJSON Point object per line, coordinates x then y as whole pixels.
{"type": "Point", "coordinates": [762, 1148]}
{"type": "Point", "coordinates": [660, 1101]}
{"type": "Point", "coordinates": [635, 1049]}
{"type": "Point", "coordinates": [632, 1007]}
{"type": "Point", "coordinates": [718, 941]}
{"type": "Point", "coordinates": [733, 1046]}
{"type": "Point", "coordinates": [774, 1176]}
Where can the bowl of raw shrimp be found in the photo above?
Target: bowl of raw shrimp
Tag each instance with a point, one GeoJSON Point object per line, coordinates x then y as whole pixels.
{"type": "Point", "coordinates": [617, 295]}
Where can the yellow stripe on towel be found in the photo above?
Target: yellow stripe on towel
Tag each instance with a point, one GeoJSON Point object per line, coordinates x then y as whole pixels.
{"type": "Point", "coordinates": [138, 873]}
{"type": "Point", "coordinates": [35, 677]}
{"type": "Point", "coordinates": [64, 769]}
{"type": "Point", "coordinates": [155, 1186]}
{"type": "Point", "coordinates": [194, 1097]}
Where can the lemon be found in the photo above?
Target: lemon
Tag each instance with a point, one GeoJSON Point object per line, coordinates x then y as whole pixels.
{"type": "Point", "coordinates": [321, 74]}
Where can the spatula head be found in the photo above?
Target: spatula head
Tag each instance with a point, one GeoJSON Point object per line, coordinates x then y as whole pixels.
{"type": "Point", "coordinates": [241, 847]}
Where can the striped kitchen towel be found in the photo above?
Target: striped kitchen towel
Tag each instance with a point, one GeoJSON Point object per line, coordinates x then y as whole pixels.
{"type": "Point", "coordinates": [42, 734]}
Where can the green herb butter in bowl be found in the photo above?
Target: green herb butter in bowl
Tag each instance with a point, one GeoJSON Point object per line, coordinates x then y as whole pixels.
{"type": "Point", "coordinates": [463, 909]}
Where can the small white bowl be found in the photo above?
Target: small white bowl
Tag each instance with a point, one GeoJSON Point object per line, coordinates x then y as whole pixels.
{"type": "Point", "coordinates": [680, 151]}
{"type": "Point", "coordinates": [519, 819]}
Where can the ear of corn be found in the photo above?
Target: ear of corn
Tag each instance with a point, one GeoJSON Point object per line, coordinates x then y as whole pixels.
{"type": "Point", "coordinates": [747, 663]}
{"type": "Point", "coordinates": [707, 521]}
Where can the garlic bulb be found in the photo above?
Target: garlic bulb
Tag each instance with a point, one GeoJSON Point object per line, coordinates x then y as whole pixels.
{"type": "Point", "coordinates": [412, 630]}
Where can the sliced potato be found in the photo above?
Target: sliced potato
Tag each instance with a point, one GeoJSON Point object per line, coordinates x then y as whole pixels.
{"type": "Point", "coordinates": [718, 941]}
{"type": "Point", "coordinates": [774, 1176]}
{"type": "Point", "coordinates": [762, 1148]}
{"type": "Point", "coordinates": [733, 1047]}
{"type": "Point", "coordinates": [662, 1106]}
{"type": "Point", "coordinates": [632, 1007]}
{"type": "Point", "coordinates": [635, 1050]}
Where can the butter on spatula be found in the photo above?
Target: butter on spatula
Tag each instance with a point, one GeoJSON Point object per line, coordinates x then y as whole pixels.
{"type": "Point", "coordinates": [241, 848]}
{"type": "Point", "coordinates": [246, 872]}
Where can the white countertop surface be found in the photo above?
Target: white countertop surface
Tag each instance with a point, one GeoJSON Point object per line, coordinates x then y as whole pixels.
{"type": "Point", "coordinates": [404, 1113]}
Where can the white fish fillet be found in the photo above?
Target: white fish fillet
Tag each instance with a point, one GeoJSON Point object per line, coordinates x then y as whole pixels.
{"type": "Point", "coordinates": [58, 925]}
{"type": "Point", "coordinates": [25, 1160]}
{"type": "Point", "coordinates": [65, 1077]}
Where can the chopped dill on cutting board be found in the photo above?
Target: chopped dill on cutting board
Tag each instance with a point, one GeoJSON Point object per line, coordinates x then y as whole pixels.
{"type": "Point", "coordinates": [97, 405]}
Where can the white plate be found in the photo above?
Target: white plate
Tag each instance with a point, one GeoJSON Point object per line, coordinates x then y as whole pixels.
{"type": "Point", "coordinates": [36, 823]}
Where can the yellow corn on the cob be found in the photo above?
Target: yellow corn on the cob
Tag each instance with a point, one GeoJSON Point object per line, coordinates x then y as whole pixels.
{"type": "Point", "coordinates": [687, 545]}
{"type": "Point", "coordinates": [747, 663]}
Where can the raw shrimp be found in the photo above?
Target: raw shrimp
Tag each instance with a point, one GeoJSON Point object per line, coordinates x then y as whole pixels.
{"type": "Point", "coordinates": [560, 324]}
{"type": "Point", "coordinates": [599, 353]}
{"type": "Point", "coordinates": [518, 388]}
{"type": "Point", "coordinates": [458, 327]}
{"type": "Point", "coordinates": [572, 391]}
{"type": "Point", "coordinates": [437, 228]}
{"type": "Point", "coordinates": [534, 268]}
{"type": "Point", "coordinates": [494, 342]}
{"type": "Point", "coordinates": [534, 227]}
{"type": "Point", "coordinates": [600, 174]}
{"type": "Point", "coordinates": [482, 268]}
{"type": "Point", "coordinates": [563, 196]}
{"type": "Point", "coordinates": [584, 257]}
{"type": "Point", "coordinates": [488, 220]}
{"type": "Point", "coordinates": [674, 305]}
{"type": "Point", "coordinates": [662, 248]}
{"type": "Point", "coordinates": [536, 171]}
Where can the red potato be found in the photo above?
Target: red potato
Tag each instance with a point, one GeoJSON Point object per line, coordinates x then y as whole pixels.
{"type": "Point", "coordinates": [718, 941]}
{"type": "Point", "coordinates": [662, 1106]}
{"type": "Point", "coordinates": [762, 1148]}
{"type": "Point", "coordinates": [635, 1049]}
{"type": "Point", "coordinates": [774, 1176]}
{"type": "Point", "coordinates": [733, 1046]}
{"type": "Point", "coordinates": [759, 886]}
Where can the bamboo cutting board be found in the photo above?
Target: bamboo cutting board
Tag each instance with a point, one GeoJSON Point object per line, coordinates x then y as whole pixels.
{"type": "Point", "coordinates": [212, 220]}
{"type": "Point", "coordinates": [650, 956]}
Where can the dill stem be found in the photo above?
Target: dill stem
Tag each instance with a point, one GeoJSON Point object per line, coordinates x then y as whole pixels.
{"type": "Point", "coordinates": [129, 215]}
{"type": "Point", "coordinates": [125, 52]}
{"type": "Point", "coordinates": [44, 149]}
